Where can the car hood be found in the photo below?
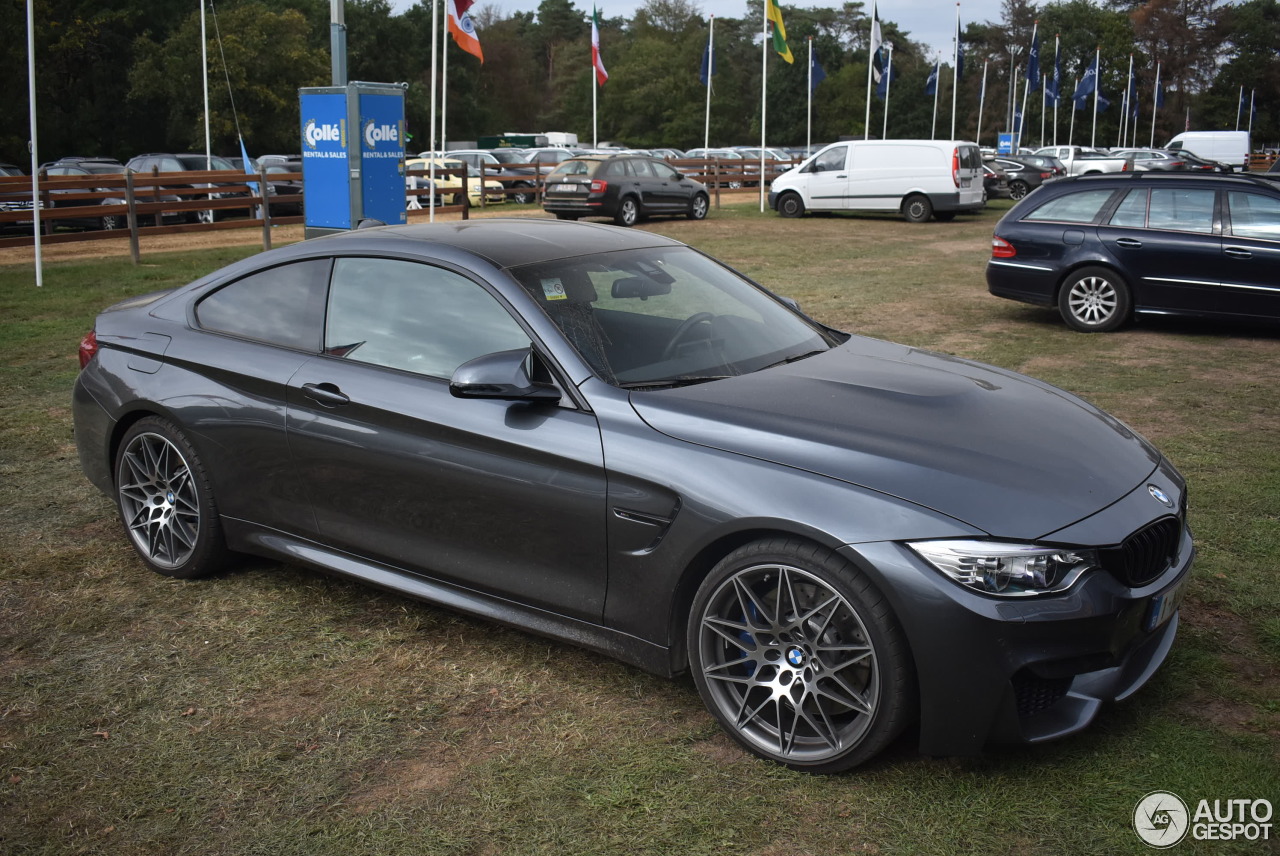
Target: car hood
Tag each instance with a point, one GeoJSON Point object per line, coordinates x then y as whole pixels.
{"type": "Point", "coordinates": [1000, 451]}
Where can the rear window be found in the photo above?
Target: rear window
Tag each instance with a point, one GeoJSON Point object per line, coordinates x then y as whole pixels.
{"type": "Point", "coordinates": [971, 158]}
{"type": "Point", "coordinates": [575, 167]}
{"type": "Point", "coordinates": [1181, 210]}
{"type": "Point", "coordinates": [1079, 207]}
{"type": "Point", "coordinates": [1254, 216]}
{"type": "Point", "coordinates": [281, 306]}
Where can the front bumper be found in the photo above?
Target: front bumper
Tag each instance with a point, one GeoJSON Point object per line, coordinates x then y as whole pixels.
{"type": "Point", "coordinates": [1003, 670]}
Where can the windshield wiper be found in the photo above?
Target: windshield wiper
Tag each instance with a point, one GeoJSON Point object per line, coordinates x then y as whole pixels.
{"type": "Point", "coordinates": [796, 357]}
{"type": "Point", "coordinates": [671, 382]}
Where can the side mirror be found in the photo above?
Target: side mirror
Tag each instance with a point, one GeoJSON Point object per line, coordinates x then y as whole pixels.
{"type": "Point", "coordinates": [504, 375]}
{"type": "Point", "coordinates": [638, 286]}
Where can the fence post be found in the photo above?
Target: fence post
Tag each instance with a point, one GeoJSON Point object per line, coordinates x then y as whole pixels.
{"type": "Point", "coordinates": [482, 186]}
{"type": "Point", "coordinates": [466, 196]}
{"type": "Point", "coordinates": [266, 208]}
{"type": "Point", "coordinates": [132, 216]}
{"type": "Point", "coordinates": [715, 173]}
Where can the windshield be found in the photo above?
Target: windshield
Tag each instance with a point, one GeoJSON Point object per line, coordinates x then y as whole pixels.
{"type": "Point", "coordinates": [667, 316]}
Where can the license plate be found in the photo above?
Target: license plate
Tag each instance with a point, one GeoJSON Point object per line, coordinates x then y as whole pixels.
{"type": "Point", "coordinates": [1164, 605]}
{"type": "Point", "coordinates": [566, 188]}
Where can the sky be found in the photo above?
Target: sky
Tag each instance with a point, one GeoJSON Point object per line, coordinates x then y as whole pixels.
{"type": "Point", "coordinates": [930, 22]}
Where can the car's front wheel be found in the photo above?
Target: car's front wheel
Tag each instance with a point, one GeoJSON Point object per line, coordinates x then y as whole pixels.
{"type": "Point", "coordinates": [799, 657]}
{"type": "Point", "coordinates": [628, 213]}
{"type": "Point", "coordinates": [166, 502]}
{"type": "Point", "coordinates": [791, 205]}
{"type": "Point", "coordinates": [1094, 300]}
{"type": "Point", "coordinates": [698, 207]}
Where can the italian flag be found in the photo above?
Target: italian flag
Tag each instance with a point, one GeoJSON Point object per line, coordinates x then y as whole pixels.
{"type": "Point", "coordinates": [601, 74]}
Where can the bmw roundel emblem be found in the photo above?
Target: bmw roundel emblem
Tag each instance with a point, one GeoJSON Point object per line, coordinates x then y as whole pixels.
{"type": "Point", "coordinates": [1160, 495]}
{"type": "Point", "coordinates": [795, 656]}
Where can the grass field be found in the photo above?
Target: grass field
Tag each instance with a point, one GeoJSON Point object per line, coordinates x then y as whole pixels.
{"type": "Point", "coordinates": [278, 711]}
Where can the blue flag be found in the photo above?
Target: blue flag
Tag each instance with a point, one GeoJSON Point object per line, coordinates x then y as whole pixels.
{"type": "Point", "coordinates": [931, 85]}
{"type": "Point", "coordinates": [882, 88]}
{"type": "Point", "coordinates": [1087, 83]}
{"type": "Point", "coordinates": [708, 64]}
{"type": "Point", "coordinates": [1055, 85]}
{"type": "Point", "coordinates": [1033, 65]}
{"type": "Point", "coordinates": [816, 74]}
{"type": "Point", "coordinates": [1159, 97]}
{"type": "Point", "coordinates": [1133, 98]}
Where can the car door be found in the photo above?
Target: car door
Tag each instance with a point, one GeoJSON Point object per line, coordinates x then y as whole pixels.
{"type": "Point", "coordinates": [641, 177]}
{"type": "Point", "coordinates": [673, 189]}
{"type": "Point", "coordinates": [1250, 270]}
{"type": "Point", "coordinates": [827, 182]}
{"type": "Point", "coordinates": [1167, 244]}
{"type": "Point", "coordinates": [504, 497]}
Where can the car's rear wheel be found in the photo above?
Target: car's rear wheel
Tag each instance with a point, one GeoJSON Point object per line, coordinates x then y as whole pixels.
{"type": "Point", "coordinates": [166, 502]}
{"type": "Point", "coordinates": [917, 208]}
{"type": "Point", "coordinates": [791, 205]}
{"type": "Point", "coordinates": [698, 207]}
{"type": "Point", "coordinates": [204, 217]}
{"type": "Point", "coordinates": [1018, 189]}
{"type": "Point", "coordinates": [799, 657]}
{"type": "Point", "coordinates": [524, 195]}
{"type": "Point", "coordinates": [1094, 300]}
{"type": "Point", "coordinates": [113, 222]}
{"type": "Point", "coordinates": [628, 213]}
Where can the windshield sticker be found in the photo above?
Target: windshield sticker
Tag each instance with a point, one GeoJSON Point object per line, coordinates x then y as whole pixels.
{"type": "Point", "coordinates": [553, 289]}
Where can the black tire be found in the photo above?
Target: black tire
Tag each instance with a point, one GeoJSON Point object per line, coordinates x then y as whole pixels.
{"type": "Point", "coordinates": [114, 222]}
{"type": "Point", "coordinates": [1018, 189]}
{"type": "Point", "coordinates": [1094, 300]}
{"type": "Point", "coordinates": [560, 215]}
{"type": "Point", "coordinates": [698, 207]}
{"type": "Point", "coordinates": [628, 213]}
{"type": "Point", "coordinates": [166, 502]}
{"type": "Point", "coordinates": [793, 622]}
{"type": "Point", "coordinates": [917, 208]}
{"type": "Point", "coordinates": [524, 195]}
{"type": "Point", "coordinates": [205, 217]}
{"type": "Point", "coordinates": [790, 205]}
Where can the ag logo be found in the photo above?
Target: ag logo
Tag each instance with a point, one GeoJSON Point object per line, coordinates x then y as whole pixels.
{"type": "Point", "coordinates": [1160, 819]}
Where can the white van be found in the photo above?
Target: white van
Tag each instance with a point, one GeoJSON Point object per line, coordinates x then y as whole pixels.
{"type": "Point", "coordinates": [919, 178]}
{"type": "Point", "coordinates": [1228, 147]}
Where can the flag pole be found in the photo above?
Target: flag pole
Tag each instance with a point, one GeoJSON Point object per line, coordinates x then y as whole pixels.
{"type": "Point", "coordinates": [1097, 88]}
{"type": "Point", "coordinates": [808, 125]}
{"type": "Point", "coordinates": [1035, 27]}
{"type": "Point", "coordinates": [1071, 131]}
{"type": "Point", "coordinates": [764, 89]}
{"type": "Point", "coordinates": [1252, 93]}
{"type": "Point", "coordinates": [955, 72]}
{"type": "Point", "coordinates": [1128, 108]}
{"type": "Point", "coordinates": [444, 93]}
{"type": "Point", "coordinates": [1044, 101]}
{"type": "Point", "coordinates": [1155, 107]}
{"type": "Point", "coordinates": [35, 147]}
{"type": "Point", "coordinates": [888, 84]}
{"type": "Point", "coordinates": [711, 64]}
{"type": "Point", "coordinates": [866, 123]}
{"type": "Point", "coordinates": [937, 84]}
{"type": "Point", "coordinates": [431, 143]}
{"type": "Point", "coordinates": [1057, 93]}
{"type": "Point", "coordinates": [982, 100]}
{"type": "Point", "coordinates": [1239, 104]}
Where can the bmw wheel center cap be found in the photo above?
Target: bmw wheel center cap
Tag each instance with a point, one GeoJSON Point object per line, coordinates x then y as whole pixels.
{"type": "Point", "coordinates": [795, 656]}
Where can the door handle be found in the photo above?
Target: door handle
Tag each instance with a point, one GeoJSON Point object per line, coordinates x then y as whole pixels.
{"type": "Point", "coordinates": [1238, 253]}
{"type": "Point", "coordinates": [325, 394]}
{"type": "Point", "coordinates": [1129, 243]}
{"type": "Point", "coordinates": [842, 176]}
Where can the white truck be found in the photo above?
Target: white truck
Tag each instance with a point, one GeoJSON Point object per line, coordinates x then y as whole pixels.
{"type": "Point", "coordinates": [1082, 161]}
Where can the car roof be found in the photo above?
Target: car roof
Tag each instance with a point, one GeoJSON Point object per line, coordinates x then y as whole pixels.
{"type": "Point", "coordinates": [503, 241]}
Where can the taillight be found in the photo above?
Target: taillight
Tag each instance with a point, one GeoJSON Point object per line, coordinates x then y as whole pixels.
{"type": "Point", "coordinates": [598, 186]}
{"type": "Point", "coordinates": [1045, 175]}
{"type": "Point", "coordinates": [88, 348]}
{"type": "Point", "coordinates": [1001, 249]}
{"type": "Point", "coordinates": [955, 166]}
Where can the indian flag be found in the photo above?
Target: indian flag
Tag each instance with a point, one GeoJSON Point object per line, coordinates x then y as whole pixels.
{"type": "Point", "coordinates": [601, 74]}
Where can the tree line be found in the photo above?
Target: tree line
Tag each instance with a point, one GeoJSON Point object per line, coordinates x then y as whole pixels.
{"type": "Point", "coordinates": [126, 79]}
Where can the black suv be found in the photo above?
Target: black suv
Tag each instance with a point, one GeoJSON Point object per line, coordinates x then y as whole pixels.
{"type": "Point", "coordinates": [1103, 248]}
{"type": "Point", "coordinates": [627, 188]}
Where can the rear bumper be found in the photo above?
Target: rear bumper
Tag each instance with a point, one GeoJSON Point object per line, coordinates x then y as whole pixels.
{"type": "Point", "coordinates": [1024, 281]}
{"type": "Point", "coordinates": [955, 202]}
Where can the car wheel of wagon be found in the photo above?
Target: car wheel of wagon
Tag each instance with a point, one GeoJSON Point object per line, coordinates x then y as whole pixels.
{"type": "Point", "coordinates": [799, 656]}
{"type": "Point", "coordinates": [698, 207]}
{"type": "Point", "coordinates": [166, 502]}
{"type": "Point", "coordinates": [1094, 300]}
{"type": "Point", "coordinates": [1018, 189]}
{"type": "Point", "coordinates": [204, 217]}
{"type": "Point", "coordinates": [917, 209]}
{"type": "Point", "coordinates": [628, 212]}
{"type": "Point", "coordinates": [522, 196]}
{"type": "Point", "coordinates": [791, 205]}
{"type": "Point", "coordinates": [113, 222]}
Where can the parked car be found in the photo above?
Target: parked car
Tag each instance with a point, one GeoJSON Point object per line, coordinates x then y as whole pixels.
{"type": "Point", "coordinates": [1048, 162]}
{"type": "Point", "coordinates": [1105, 248]}
{"type": "Point", "coordinates": [995, 185]}
{"type": "Point", "coordinates": [1022, 176]}
{"type": "Point", "coordinates": [191, 162]}
{"type": "Point", "coordinates": [278, 185]}
{"type": "Point", "coordinates": [449, 186]}
{"type": "Point", "coordinates": [668, 153]}
{"type": "Point", "coordinates": [1082, 161]}
{"type": "Point", "coordinates": [84, 167]}
{"type": "Point", "coordinates": [735, 166]}
{"type": "Point", "coordinates": [16, 200]}
{"type": "Point", "coordinates": [628, 188]}
{"type": "Point", "coordinates": [1145, 160]}
{"type": "Point", "coordinates": [1195, 162]}
{"type": "Point", "coordinates": [921, 179]}
{"type": "Point", "coordinates": [607, 437]}
{"type": "Point", "coordinates": [1230, 148]}
{"type": "Point", "coordinates": [525, 190]}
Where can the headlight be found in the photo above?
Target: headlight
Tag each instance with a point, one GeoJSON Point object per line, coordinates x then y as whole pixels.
{"type": "Point", "coordinates": [1010, 570]}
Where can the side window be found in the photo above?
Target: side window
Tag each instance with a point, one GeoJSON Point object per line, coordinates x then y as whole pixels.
{"type": "Point", "coordinates": [281, 306]}
{"type": "Point", "coordinates": [665, 172]}
{"type": "Point", "coordinates": [1254, 216]}
{"type": "Point", "coordinates": [642, 168]}
{"type": "Point", "coordinates": [1132, 211]}
{"type": "Point", "coordinates": [1182, 210]}
{"type": "Point", "coordinates": [831, 159]}
{"type": "Point", "coordinates": [615, 169]}
{"type": "Point", "coordinates": [415, 317]}
{"type": "Point", "coordinates": [1082, 207]}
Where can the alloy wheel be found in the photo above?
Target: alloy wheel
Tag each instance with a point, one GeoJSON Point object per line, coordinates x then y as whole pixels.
{"type": "Point", "coordinates": [159, 500]}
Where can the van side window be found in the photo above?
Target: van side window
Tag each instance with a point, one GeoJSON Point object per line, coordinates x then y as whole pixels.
{"type": "Point", "coordinates": [831, 159]}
